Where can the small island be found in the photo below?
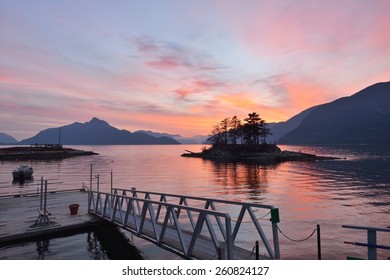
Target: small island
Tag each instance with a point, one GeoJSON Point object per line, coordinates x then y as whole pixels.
{"type": "Point", "coordinates": [263, 153]}
{"type": "Point", "coordinates": [41, 152]}
{"type": "Point", "coordinates": [236, 140]}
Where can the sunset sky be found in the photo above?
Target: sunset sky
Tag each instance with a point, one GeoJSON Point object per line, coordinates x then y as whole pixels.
{"type": "Point", "coordinates": [181, 66]}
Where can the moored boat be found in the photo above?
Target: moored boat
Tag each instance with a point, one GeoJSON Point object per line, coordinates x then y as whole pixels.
{"type": "Point", "coordinates": [23, 172]}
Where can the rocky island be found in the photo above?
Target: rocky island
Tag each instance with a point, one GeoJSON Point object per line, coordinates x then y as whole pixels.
{"type": "Point", "coordinates": [261, 153]}
{"type": "Point", "coordinates": [235, 140]}
{"type": "Point", "coordinates": [41, 152]}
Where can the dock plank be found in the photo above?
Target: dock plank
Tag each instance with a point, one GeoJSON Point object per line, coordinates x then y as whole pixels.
{"type": "Point", "coordinates": [19, 214]}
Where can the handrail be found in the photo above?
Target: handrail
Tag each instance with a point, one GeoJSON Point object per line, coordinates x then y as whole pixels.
{"type": "Point", "coordinates": [371, 244]}
{"type": "Point", "coordinates": [367, 228]}
{"type": "Point", "coordinates": [210, 203]}
{"type": "Point", "coordinates": [199, 198]}
{"type": "Point", "coordinates": [113, 204]}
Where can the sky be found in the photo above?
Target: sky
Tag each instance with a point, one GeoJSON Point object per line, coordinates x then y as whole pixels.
{"type": "Point", "coordinates": [181, 66]}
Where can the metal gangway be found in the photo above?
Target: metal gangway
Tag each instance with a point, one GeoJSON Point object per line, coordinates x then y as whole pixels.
{"type": "Point", "coordinates": [192, 227]}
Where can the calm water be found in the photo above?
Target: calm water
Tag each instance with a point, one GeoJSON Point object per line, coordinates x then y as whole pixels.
{"type": "Point", "coordinates": [103, 243]}
{"type": "Point", "coordinates": [330, 193]}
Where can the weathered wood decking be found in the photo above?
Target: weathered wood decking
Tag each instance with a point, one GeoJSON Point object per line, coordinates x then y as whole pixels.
{"type": "Point", "coordinates": [19, 214]}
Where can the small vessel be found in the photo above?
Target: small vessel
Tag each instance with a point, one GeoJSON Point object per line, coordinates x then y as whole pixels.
{"type": "Point", "coordinates": [24, 172]}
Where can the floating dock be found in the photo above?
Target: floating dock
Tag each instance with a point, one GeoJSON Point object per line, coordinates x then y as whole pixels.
{"type": "Point", "coordinates": [21, 217]}
{"type": "Point", "coordinates": [207, 234]}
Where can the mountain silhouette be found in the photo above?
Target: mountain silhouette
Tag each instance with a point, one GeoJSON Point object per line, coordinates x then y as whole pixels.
{"type": "Point", "coordinates": [7, 139]}
{"type": "Point", "coordinates": [197, 139]}
{"type": "Point", "coordinates": [363, 118]}
{"type": "Point", "coordinates": [95, 132]}
{"type": "Point", "coordinates": [280, 129]}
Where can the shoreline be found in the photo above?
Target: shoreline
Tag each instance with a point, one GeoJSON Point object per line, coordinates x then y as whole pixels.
{"type": "Point", "coordinates": [41, 152]}
{"type": "Point", "coordinates": [264, 153]}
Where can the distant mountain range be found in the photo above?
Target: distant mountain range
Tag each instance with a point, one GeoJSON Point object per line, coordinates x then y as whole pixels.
{"type": "Point", "coordinates": [362, 118]}
{"type": "Point", "coordinates": [7, 139]}
{"type": "Point", "coordinates": [95, 132]}
{"type": "Point", "coordinates": [280, 129]}
{"type": "Point", "coordinates": [198, 139]}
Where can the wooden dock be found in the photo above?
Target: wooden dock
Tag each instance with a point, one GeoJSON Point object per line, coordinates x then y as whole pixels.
{"type": "Point", "coordinates": [22, 219]}
{"type": "Point", "coordinates": [18, 215]}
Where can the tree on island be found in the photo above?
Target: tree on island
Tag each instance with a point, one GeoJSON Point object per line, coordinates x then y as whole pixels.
{"type": "Point", "coordinates": [252, 130]}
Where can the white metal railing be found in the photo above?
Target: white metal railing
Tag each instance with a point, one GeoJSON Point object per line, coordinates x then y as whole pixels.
{"type": "Point", "coordinates": [132, 213]}
{"type": "Point", "coordinates": [371, 244]}
{"type": "Point", "coordinates": [210, 203]}
{"type": "Point", "coordinates": [215, 205]}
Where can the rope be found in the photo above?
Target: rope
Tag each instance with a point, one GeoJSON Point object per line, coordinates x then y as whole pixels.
{"type": "Point", "coordinates": [254, 247]}
{"type": "Point", "coordinates": [213, 257]}
{"type": "Point", "coordinates": [251, 221]}
{"type": "Point", "coordinates": [250, 255]}
{"type": "Point", "coordinates": [294, 240]}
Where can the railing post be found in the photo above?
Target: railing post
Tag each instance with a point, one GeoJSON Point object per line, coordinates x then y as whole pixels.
{"type": "Point", "coordinates": [222, 253]}
{"type": "Point", "coordinates": [257, 250]}
{"type": "Point", "coordinates": [134, 194]}
{"type": "Point", "coordinates": [229, 242]}
{"type": "Point", "coordinates": [112, 181]}
{"type": "Point", "coordinates": [89, 201]}
{"type": "Point", "coordinates": [44, 204]}
{"type": "Point", "coordinates": [275, 219]}
{"type": "Point", "coordinates": [319, 242]}
{"type": "Point", "coordinates": [371, 238]}
{"type": "Point", "coordinates": [90, 179]}
{"type": "Point", "coordinates": [41, 194]}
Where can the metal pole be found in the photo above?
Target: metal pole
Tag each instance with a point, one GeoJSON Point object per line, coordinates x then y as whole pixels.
{"type": "Point", "coordinates": [41, 193]}
{"type": "Point", "coordinates": [98, 187]}
{"type": "Point", "coordinates": [275, 219]}
{"type": "Point", "coordinates": [319, 242]}
{"type": "Point", "coordinates": [44, 204]}
{"type": "Point", "coordinates": [222, 253]}
{"type": "Point", "coordinates": [111, 181]}
{"type": "Point", "coordinates": [371, 238]}
{"type": "Point", "coordinates": [276, 240]}
{"type": "Point", "coordinates": [229, 241]}
{"type": "Point", "coordinates": [90, 179]}
{"type": "Point", "coordinates": [257, 250]}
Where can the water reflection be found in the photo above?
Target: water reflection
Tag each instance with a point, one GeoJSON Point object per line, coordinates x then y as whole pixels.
{"type": "Point", "coordinates": [42, 248]}
{"type": "Point", "coordinates": [248, 178]}
{"type": "Point", "coordinates": [94, 247]}
{"type": "Point", "coordinates": [102, 243]}
{"type": "Point", "coordinates": [22, 181]}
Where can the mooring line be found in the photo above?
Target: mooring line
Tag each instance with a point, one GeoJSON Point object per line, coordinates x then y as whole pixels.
{"type": "Point", "coordinates": [253, 250]}
{"type": "Point", "coordinates": [251, 221]}
{"type": "Point", "coordinates": [295, 240]}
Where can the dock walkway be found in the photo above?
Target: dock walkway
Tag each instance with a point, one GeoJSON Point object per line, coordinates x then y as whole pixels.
{"type": "Point", "coordinates": [18, 215]}
{"type": "Point", "coordinates": [190, 231]}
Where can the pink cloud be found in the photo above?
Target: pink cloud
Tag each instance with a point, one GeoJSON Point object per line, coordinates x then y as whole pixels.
{"type": "Point", "coordinates": [168, 55]}
{"type": "Point", "coordinates": [168, 62]}
{"type": "Point", "coordinates": [146, 45]}
{"type": "Point", "coordinates": [200, 85]}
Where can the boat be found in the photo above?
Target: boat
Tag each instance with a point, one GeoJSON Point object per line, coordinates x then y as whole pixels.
{"type": "Point", "coordinates": [22, 173]}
